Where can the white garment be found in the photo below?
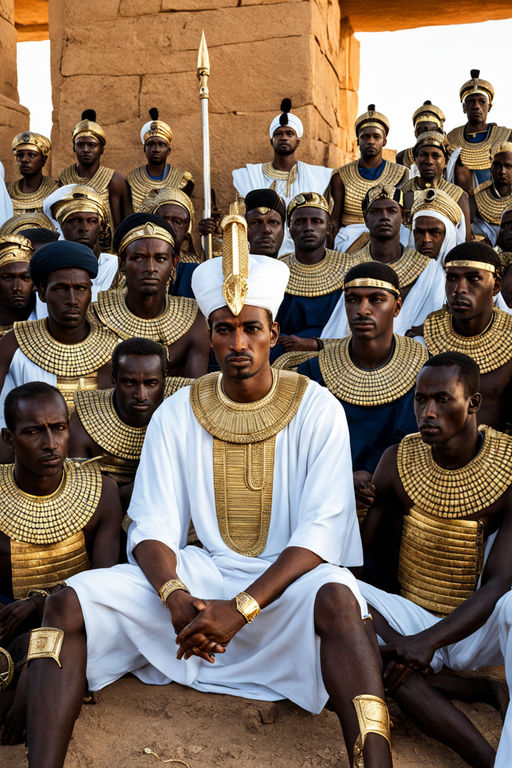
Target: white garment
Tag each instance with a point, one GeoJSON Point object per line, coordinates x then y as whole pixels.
{"type": "Point", "coordinates": [490, 645]}
{"type": "Point", "coordinates": [108, 264]}
{"type": "Point", "coordinates": [313, 507]}
{"type": "Point", "coordinates": [453, 236]}
{"type": "Point", "coordinates": [349, 234]}
{"type": "Point", "coordinates": [450, 165]}
{"type": "Point", "coordinates": [6, 210]}
{"type": "Point", "coordinates": [426, 295]}
{"type": "Point", "coordinates": [490, 231]}
{"type": "Point", "coordinates": [21, 371]}
{"type": "Point", "coordinates": [310, 178]}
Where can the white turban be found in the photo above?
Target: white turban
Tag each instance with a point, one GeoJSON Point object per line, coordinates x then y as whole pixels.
{"type": "Point", "coordinates": [452, 236]}
{"type": "Point", "coordinates": [267, 283]}
{"type": "Point", "coordinates": [293, 121]}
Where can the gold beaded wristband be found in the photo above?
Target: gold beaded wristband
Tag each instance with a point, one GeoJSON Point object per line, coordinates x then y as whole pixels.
{"type": "Point", "coordinates": [247, 606]}
{"type": "Point", "coordinates": [169, 587]}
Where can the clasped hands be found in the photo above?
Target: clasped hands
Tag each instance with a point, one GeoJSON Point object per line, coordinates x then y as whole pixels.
{"type": "Point", "coordinates": [403, 656]}
{"type": "Point", "coordinates": [203, 627]}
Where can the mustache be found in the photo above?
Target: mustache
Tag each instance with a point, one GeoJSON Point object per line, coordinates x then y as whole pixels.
{"type": "Point", "coordinates": [234, 355]}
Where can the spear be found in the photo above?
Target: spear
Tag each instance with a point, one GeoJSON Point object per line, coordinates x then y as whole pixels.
{"type": "Point", "coordinates": [203, 73]}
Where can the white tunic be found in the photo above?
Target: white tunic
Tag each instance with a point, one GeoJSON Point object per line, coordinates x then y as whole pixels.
{"type": "Point", "coordinates": [426, 295]}
{"type": "Point", "coordinates": [5, 200]}
{"type": "Point", "coordinates": [277, 656]}
{"type": "Point", "coordinates": [310, 178]}
{"type": "Point", "coordinates": [21, 371]}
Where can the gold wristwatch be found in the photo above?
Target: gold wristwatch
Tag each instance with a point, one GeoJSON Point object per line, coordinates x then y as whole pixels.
{"type": "Point", "coordinates": [247, 606]}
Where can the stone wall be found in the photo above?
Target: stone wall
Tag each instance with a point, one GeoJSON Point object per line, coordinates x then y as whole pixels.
{"type": "Point", "coordinates": [13, 117]}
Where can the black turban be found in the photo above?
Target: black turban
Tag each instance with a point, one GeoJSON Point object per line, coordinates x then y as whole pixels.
{"type": "Point", "coordinates": [373, 270]}
{"type": "Point", "coordinates": [137, 221]}
{"type": "Point", "coordinates": [63, 254]}
{"type": "Point", "coordinates": [265, 198]}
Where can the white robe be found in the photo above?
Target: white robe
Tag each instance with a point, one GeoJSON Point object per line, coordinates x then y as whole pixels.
{"type": "Point", "coordinates": [277, 656]}
{"type": "Point", "coordinates": [310, 178]}
{"type": "Point", "coordinates": [349, 234]}
{"type": "Point", "coordinates": [21, 371]}
{"type": "Point", "coordinates": [426, 295]}
{"type": "Point", "coordinates": [107, 269]}
{"type": "Point", "coordinates": [6, 210]}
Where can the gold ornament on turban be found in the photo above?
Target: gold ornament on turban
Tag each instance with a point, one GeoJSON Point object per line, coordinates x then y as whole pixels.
{"type": "Point", "coordinates": [34, 141]}
{"type": "Point", "coordinates": [15, 249]}
{"type": "Point", "coordinates": [306, 200]}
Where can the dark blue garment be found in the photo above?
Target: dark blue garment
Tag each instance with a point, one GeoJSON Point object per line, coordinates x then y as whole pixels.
{"type": "Point", "coordinates": [371, 174]}
{"type": "Point", "coordinates": [182, 285]}
{"type": "Point", "coordinates": [480, 174]}
{"type": "Point", "coordinates": [372, 429]}
{"type": "Point", "coordinates": [304, 316]}
{"type": "Point", "coordinates": [162, 176]}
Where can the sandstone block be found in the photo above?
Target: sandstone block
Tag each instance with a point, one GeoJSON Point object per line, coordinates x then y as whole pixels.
{"type": "Point", "coordinates": [13, 119]}
{"type": "Point", "coordinates": [8, 69]}
{"type": "Point", "coordinates": [197, 5]}
{"type": "Point", "coordinates": [139, 7]}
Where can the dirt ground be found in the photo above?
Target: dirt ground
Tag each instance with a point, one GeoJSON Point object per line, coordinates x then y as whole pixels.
{"type": "Point", "coordinates": [210, 731]}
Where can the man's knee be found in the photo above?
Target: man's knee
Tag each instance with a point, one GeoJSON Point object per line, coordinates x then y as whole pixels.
{"type": "Point", "coordinates": [62, 610]}
{"type": "Point", "coordinates": [335, 605]}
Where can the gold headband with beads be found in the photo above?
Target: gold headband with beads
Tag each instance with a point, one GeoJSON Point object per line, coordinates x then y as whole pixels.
{"type": "Point", "coordinates": [80, 199]}
{"type": "Point", "coordinates": [371, 282]}
{"type": "Point", "coordinates": [383, 192]}
{"type": "Point", "coordinates": [429, 113]}
{"type": "Point", "coordinates": [15, 249]}
{"type": "Point", "coordinates": [373, 119]}
{"type": "Point", "coordinates": [471, 264]}
{"type": "Point", "coordinates": [29, 220]}
{"type": "Point", "coordinates": [148, 230]}
{"type": "Point", "coordinates": [476, 85]}
{"type": "Point", "coordinates": [158, 129]}
{"type": "Point", "coordinates": [31, 140]}
{"type": "Point", "coordinates": [436, 200]}
{"type": "Point", "coordinates": [306, 200]}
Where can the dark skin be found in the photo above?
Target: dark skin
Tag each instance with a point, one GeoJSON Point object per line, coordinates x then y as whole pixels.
{"type": "Point", "coordinates": [309, 228]}
{"type": "Point", "coordinates": [39, 442]}
{"type": "Point", "coordinates": [505, 232]}
{"type": "Point", "coordinates": [371, 142]}
{"type": "Point", "coordinates": [147, 265]}
{"type": "Point", "coordinates": [506, 286]}
{"type": "Point", "coordinates": [429, 234]}
{"type": "Point", "coordinates": [157, 152]}
{"type": "Point", "coordinates": [476, 106]}
{"type": "Point", "coordinates": [447, 420]}
{"type": "Point", "coordinates": [431, 163]}
{"type": "Point", "coordinates": [88, 151]}
{"type": "Point", "coordinates": [420, 127]}
{"type": "Point", "coordinates": [469, 294]}
{"type": "Point", "coordinates": [370, 314]}
{"type": "Point", "coordinates": [501, 175]}
{"type": "Point", "coordinates": [83, 228]}
{"type": "Point", "coordinates": [265, 232]}
{"type": "Point", "coordinates": [178, 218]}
{"type": "Point", "coordinates": [67, 293]}
{"type": "Point", "coordinates": [139, 390]}
{"type": "Point", "coordinates": [31, 164]}
{"type": "Point", "coordinates": [16, 293]}
{"type": "Point", "coordinates": [204, 627]}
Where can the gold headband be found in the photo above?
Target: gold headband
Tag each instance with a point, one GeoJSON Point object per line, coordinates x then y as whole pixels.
{"type": "Point", "coordinates": [383, 192]}
{"type": "Point", "coordinates": [436, 200]}
{"type": "Point", "coordinates": [148, 230]}
{"type": "Point", "coordinates": [505, 146]}
{"type": "Point", "coordinates": [428, 112]}
{"type": "Point", "coordinates": [168, 196]}
{"type": "Point", "coordinates": [158, 129]}
{"type": "Point", "coordinates": [472, 264]}
{"type": "Point", "coordinates": [371, 282]}
{"type": "Point", "coordinates": [89, 128]}
{"type": "Point", "coordinates": [373, 119]}
{"type": "Point", "coordinates": [15, 249]}
{"type": "Point", "coordinates": [306, 200]}
{"type": "Point", "coordinates": [431, 139]}
{"type": "Point", "coordinates": [31, 140]}
{"type": "Point", "coordinates": [428, 117]}
{"type": "Point", "coordinates": [30, 220]}
{"type": "Point", "coordinates": [68, 208]}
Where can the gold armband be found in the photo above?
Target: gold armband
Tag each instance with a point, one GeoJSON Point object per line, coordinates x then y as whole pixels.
{"type": "Point", "coordinates": [45, 643]}
{"type": "Point", "coordinates": [372, 717]}
{"type": "Point", "coordinates": [247, 606]}
{"type": "Point", "coordinates": [37, 593]}
{"type": "Point", "coordinates": [6, 669]}
{"type": "Point", "coordinates": [169, 587]}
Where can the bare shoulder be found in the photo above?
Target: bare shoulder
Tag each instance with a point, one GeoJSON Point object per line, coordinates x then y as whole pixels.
{"type": "Point", "coordinates": [117, 182]}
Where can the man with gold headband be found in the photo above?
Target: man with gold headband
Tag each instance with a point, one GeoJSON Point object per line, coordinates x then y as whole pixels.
{"type": "Point", "coordinates": [265, 214]}
{"type": "Point", "coordinates": [351, 182]}
{"type": "Point", "coordinates": [269, 493]}
{"type": "Point", "coordinates": [284, 173]}
{"type": "Point", "coordinates": [471, 323]}
{"type": "Point", "coordinates": [372, 372]}
{"type": "Point", "coordinates": [156, 138]}
{"type": "Point", "coordinates": [111, 423]}
{"type": "Point", "coordinates": [29, 220]}
{"type": "Point", "coordinates": [17, 296]}
{"type": "Point", "coordinates": [57, 518]}
{"type": "Point", "coordinates": [471, 144]}
{"type": "Point", "coordinates": [88, 145]}
{"type": "Point", "coordinates": [437, 223]}
{"type": "Point", "coordinates": [316, 276]}
{"type": "Point", "coordinates": [31, 151]}
{"type": "Point", "coordinates": [441, 526]}
{"type": "Point", "coordinates": [64, 349]}
{"type": "Point", "coordinates": [428, 117]}
{"type": "Point", "coordinates": [145, 244]}
{"type": "Point", "coordinates": [431, 155]}
{"type": "Point", "coordinates": [493, 197]}
{"type": "Point", "coordinates": [421, 278]}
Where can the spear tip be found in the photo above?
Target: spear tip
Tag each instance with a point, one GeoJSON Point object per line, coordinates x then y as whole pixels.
{"type": "Point", "coordinates": [203, 60]}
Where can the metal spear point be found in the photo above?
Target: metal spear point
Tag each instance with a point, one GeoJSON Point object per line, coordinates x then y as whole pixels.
{"type": "Point", "coordinates": [203, 73]}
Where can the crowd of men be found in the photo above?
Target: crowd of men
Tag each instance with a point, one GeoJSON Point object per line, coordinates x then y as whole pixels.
{"type": "Point", "coordinates": [292, 459]}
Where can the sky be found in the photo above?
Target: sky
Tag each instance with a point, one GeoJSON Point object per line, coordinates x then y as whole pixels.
{"type": "Point", "coordinates": [399, 71]}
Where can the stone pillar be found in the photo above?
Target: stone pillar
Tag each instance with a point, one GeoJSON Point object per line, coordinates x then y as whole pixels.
{"type": "Point", "coordinates": [122, 57]}
{"type": "Point", "coordinates": [13, 117]}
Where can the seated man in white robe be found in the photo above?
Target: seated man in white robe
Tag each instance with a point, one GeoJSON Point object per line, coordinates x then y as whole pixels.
{"type": "Point", "coordinates": [265, 597]}
{"type": "Point", "coordinates": [284, 173]}
{"type": "Point", "coordinates": [421, 278]}
{"type": "Point", "coordinates": [441, 525]}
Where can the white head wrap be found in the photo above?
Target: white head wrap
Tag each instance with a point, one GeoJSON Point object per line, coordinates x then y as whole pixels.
{"type": "Point", "coordinates": [55, 197]}
{"type": "Point", "coordinates": [267, 283]}
{"type": "Point", "coordinates": [293, 122]}
{"type": "Point", "coordinates": [451, 238]}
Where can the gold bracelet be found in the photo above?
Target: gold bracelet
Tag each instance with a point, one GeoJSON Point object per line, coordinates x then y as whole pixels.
{"type": "Point", "coordinates": [37, 593]}
{"type": "Point", "coordinates": [247, 606]}
{"type": "Point", "coordinates": [169, 587]}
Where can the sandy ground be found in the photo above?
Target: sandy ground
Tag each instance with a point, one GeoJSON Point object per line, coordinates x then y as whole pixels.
{"type": "Point", "coordinates": [210, 731]}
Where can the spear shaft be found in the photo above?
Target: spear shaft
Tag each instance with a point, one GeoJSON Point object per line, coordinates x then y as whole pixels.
{"type": "Point", "coordinates": [203, 73]}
